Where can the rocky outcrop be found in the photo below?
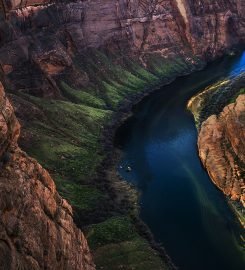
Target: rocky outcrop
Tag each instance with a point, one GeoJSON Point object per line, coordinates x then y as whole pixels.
{"type": "Point", "coordinates": [221, 143]}
{"type": "Point", "coordinates": [214, 25]}
{"type": "Point", "coordinates": [15, 4]}
{"type": "Point", "coordinates": [36, 224]}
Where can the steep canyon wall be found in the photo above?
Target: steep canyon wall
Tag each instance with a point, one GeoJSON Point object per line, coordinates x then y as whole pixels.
{"type": "Point", "coordinates": [36, 225]}
{"type": "Point", "coordinates": [43, 37]}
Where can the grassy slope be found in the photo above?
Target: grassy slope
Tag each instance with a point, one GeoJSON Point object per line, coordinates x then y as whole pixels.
{"type": "Point", "coordinates": [66, 141]}
{"type": "Point", "coordinates": [240, 92]}
{"type": "Point", "coordinates": [214, 98]}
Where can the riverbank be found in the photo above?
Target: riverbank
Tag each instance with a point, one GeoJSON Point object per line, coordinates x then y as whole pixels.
{"type": "Point", "coordinates": [218, 110]}
{"type": "Point", "coordinates": [178, 200]}
{"type": "Point", "coordinates": [109, 166]}
{"type": "Point", "coordinates": [112, 161]}
{"type": "Point", "coordinates": [66, 139]}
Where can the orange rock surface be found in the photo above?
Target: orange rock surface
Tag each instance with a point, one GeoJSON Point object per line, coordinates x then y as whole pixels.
{"type": "Point", "coordinates": [221, 145]}
{"type": "Point", "coordinates": [36, 225]}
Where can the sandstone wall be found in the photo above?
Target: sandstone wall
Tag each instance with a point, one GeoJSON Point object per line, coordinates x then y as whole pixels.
{"type": "Point", "coordinates": [36, 225]}
{"type": "Point", "coordinates": [221, 143]}
{"type": "Point", "coordinates": [43, 39]}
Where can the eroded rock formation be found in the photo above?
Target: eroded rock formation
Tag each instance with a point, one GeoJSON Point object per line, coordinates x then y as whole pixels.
{"type": "Point", "coordinates": [221, 143]}
{"type": "Point", "coordinates": [41, 39]}
{"type": "Point", "coordinates": [36, 224]}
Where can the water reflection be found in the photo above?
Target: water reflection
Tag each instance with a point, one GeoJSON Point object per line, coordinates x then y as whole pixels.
{"type": "Point", "coordinates": [239, 66]}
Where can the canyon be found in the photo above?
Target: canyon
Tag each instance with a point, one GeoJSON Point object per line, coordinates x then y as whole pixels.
{"type": "Point", "coordinates": [68, 67]}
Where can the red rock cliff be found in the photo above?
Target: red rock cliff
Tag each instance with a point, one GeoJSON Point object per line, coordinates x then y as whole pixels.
{"type": "Point", "coordinates": [36, 224]}
{"type": "Point", "coordinates": [221, 143]}
{"type": "Point", "coordinates": [142, 25]}
{"type": "Point", "coordinates": [43, 37]}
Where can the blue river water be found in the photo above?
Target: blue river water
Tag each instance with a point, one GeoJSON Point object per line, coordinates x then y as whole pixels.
{"type": "Point", "coordinates": [179, 203]}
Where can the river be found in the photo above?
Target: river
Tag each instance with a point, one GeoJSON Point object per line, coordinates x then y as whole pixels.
{"type": "Point", "coordinates": [179, 203]}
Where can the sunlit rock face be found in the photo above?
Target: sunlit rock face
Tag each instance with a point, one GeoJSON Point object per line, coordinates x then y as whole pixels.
{"type": "Point", "coordinates": [15, 4]}
{"type": "Point", "coordinates": [36, 224]}
{"type": "Point", "coordinates": [221, 148]}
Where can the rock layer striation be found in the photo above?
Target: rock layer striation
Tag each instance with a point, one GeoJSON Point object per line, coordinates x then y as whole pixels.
{"type": "Point", "coordinates": [41, 38]}
{"type": "Point", "coordinates": [221, 143]}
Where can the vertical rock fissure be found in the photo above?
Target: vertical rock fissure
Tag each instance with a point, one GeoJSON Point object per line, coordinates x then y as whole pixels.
{"type": "Point", "coordinates": [182, 10]}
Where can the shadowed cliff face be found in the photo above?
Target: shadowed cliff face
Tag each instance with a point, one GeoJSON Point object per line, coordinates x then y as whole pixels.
{"type": "Point", "coordinates": [36, 224]}
{"type": "Point", "coordinates": [214, 25]}
{"type": "Point", "coordinates": [43, 39]}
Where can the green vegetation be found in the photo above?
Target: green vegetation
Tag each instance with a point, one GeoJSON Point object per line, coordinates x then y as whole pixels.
{"type": "Point", "coordinates": [113, 230]}
{"type": "Point", "coordinates": [81, 96]}
{"type": "Point", "coordinates": [241, 92]}
{"type": "Point", "coordinates": [64, 135]}
{"type": "Point", "coordinates": [169, 67]}
{"type": "Point", "coordinates": [213, 99]}
{"type": "Point", "coordinates": [129, 255]}
{"type": "Point", "coordinates": [116, 241]}
{"type": "Point", "coordinates": [66, 139]}
{"type": "Point", "coordinates": [239, 211]}
{"type": "Point", "coordinates": [80, 196]}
